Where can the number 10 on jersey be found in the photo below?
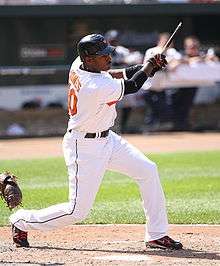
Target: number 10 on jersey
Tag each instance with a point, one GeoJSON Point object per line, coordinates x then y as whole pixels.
{"type": "Point", "coordinates": [74, 87]}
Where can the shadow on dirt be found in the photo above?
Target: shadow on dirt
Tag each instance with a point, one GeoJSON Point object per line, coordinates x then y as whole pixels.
{"type": "Point", "coordinates": [29, 263]}
{"type": "Point", "coordinates": [184, 253]}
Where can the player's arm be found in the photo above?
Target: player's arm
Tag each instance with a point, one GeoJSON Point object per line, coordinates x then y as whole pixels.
{"type": "Point", "coordinates": [154, 64]}
{"type": "Point", "coordinates": [125, 73]}
{"type": "Point", "coordinates": [135, 76]}
{"type": "Point", "coordinates": [116, 88]}
{"type": "Point", "coordinates": [116, 73]}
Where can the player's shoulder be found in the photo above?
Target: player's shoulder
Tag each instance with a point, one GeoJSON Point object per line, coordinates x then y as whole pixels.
{"type": "Point", "coordinates": [99, 79]}
{"type": "Point", "coordinates": [77, 71]}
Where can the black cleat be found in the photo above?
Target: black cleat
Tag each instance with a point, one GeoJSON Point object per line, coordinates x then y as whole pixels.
{"type": "Point", "coordinates": [19, 237]}
{"type": "Point", "coordinates": [164, 243]}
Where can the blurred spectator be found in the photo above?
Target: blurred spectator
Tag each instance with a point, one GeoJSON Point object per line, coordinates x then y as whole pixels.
{"type": "Point", "coordinates": [54, 105]}
{"type": "Point", "coordinates": [36, 103]}
{"type": "Point", "coordinates": [122, 55]}
{"type": "Point", "coordinates": [15, 129]}
{"type": "Point", "coordinates": [121, 52]}
{"type": "Point", "coordinates": [171, 53]}
{"type": "Point", "coordinates": [211, 56]}
{"type": "Point", "coordinates": [158, 101]}
{"type": "Point", "coordinates": [183, 98]}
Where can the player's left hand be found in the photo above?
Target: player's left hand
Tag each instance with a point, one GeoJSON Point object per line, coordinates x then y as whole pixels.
{"type": "Point", "coordinates": [9, 190]}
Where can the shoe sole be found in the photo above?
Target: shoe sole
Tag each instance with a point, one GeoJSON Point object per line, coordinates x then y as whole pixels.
{"type": "Point", "coordinates": [156, 246]}
{"type": "Point", "coordinates": [20, 246]}
{"type": "Point", "coordinates": [161, 247]}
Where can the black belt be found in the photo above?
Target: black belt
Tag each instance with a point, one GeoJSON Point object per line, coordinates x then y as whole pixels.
{"type": "Point", "coordinates": [102, 134]}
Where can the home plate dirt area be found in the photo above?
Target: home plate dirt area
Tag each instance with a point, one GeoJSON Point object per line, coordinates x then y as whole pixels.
{"type": "Point", "coordinates": [112, 244]}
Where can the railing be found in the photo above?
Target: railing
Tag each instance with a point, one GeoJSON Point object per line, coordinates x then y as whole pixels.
{"type": "Point", "coordinates": [197, 74]}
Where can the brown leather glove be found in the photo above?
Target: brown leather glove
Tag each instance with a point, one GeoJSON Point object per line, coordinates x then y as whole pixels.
{"type": "Point", "coordinates": [9, 190]}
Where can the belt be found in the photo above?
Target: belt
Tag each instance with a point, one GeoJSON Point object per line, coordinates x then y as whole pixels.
{"type": "Point", "coordinates": [102, 134]}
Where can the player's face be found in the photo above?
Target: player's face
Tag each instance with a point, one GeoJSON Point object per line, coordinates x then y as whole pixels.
{"type": "Point", "coordinates": [99, 63]}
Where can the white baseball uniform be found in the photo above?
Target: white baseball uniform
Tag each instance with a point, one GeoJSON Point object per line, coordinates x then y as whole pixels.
{"type": "Point", "coordinates": [92, 98]}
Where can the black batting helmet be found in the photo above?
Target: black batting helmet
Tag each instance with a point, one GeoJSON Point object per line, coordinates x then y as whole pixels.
{"type": "Point", "coordinates": [94, 44]}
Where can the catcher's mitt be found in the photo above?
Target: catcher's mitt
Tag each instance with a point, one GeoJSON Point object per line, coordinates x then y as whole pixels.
{"type": "Point", "coordinates": [9, 190]}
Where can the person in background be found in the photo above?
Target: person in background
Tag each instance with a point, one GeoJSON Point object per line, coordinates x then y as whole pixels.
{"type": "Point", "coordinates": [16, 129]}
{"type": "Point", "coordinates": [122, 56]}
{"type": "Point", "coordinates": [35, 103]}
{"type": "Point", "coordinates": [158, 101]}
{"type": "Point", "coordinates": [183, 98]}
{"type": "Point", "coordinates": [121, 53]}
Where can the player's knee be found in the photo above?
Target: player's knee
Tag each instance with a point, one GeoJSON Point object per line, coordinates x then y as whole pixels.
{"type": "Point", "coordinates": [149, 170]}
{"type": "Point", "coordinates": [79, 212]}
{"type": "Point", "coordinates": [153, 167]}
{"type": "Point", "coordinates": [153, 171]}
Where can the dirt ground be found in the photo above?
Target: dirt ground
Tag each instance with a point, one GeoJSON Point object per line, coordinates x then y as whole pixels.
{"type": "Point", "coordinates": [172, 142]}
{"type": "Point", "coordinates": [112, 244]}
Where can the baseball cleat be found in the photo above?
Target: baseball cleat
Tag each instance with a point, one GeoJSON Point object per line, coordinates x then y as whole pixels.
{"type": "Point", "coordinates": [19, 237]}
{"type": "Point", "coordinates": [164, 243]}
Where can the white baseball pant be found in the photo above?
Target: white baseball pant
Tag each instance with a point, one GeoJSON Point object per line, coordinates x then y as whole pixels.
{"type": "Point", "coordinates": [87, 159]}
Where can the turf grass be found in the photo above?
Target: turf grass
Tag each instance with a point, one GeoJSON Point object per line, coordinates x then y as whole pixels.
{"type": "Point", "coordinates": [191, 183]}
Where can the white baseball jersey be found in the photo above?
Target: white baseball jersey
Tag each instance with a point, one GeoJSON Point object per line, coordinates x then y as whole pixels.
{"type": "Point", "coordinates": [92, 98]}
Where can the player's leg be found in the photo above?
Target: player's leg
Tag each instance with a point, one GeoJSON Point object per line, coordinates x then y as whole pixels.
{"type": "Point", "coordinates": [86, 160]}
{"type": "Point", "coordinates": [130, 161]}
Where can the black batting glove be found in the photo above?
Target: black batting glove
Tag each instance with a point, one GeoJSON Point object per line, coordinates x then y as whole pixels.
{"type": "Point", "coordinates": [159, 62]}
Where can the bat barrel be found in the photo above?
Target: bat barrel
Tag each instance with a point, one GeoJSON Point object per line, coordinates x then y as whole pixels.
{"type": "Point", "coordinates": [167, 44]}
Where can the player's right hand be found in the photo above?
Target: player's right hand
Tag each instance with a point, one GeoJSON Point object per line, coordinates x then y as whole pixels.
{"type": "Point", "coordinates": [158, 62]}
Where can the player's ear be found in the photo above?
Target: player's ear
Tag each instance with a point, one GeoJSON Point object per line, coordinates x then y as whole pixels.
{"type": "Point", "coordinates": [88, 60]}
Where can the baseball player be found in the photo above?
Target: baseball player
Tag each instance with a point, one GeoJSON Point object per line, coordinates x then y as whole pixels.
{"type": "Point", "coordinates": [90, 147]}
